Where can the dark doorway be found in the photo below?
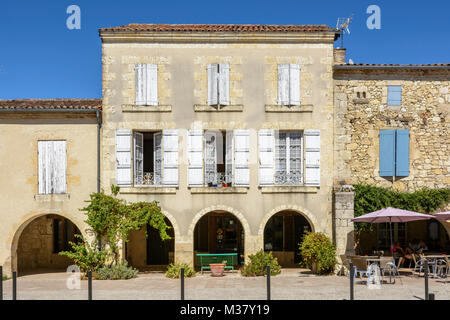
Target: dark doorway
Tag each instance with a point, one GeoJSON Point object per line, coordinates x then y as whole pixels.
{"type": "Point", "coordinates": [158, 251]}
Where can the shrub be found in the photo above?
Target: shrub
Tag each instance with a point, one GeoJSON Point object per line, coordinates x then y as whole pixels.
{"type": "Point", "coordinates": [4, 278]}
{"type": "Point", "coordinates": [258, 263]}
{"type": "Point", "coordinates": [117, 271]}
{"type": "Point", "coordinates": [174, 270]}
{"type": "Point", "coordinates": [85, 255]}
{"type": "Point", "coordinates": [317, 249]}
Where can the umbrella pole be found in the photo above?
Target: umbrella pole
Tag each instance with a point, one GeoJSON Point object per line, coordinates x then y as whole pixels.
{"type": "Point", "coordinates": [392, 247]}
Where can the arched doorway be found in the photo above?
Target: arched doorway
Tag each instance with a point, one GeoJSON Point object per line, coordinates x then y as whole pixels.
{"type": "Point", "coordinates": [219, 232]}
{"type": "Point", "coordinates": [283, 233]}
{"type": "Point", "coordinates": [150, 252]}
{"type": "Point", "coordinates": [41, 241]}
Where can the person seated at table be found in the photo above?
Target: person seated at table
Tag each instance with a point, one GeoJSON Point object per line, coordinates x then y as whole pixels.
{"type": "Point", "coordinates": [414, 245]}
{"type": "Point", "coordinates": [422, 247]}
{"type": "Point", "coordinates": [404, 254]}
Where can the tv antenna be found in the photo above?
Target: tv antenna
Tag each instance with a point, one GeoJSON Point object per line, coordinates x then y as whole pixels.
{"type": "Point", "coordinates": [342, 24]}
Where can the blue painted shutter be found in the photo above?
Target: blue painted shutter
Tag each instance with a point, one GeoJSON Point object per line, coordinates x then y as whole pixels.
{"type": "Point", "coordinates": [402, 153]}
{"type": "Point", "coordinates": [387, 153]}
{"type": "Point", "coordinates": [394, 95]}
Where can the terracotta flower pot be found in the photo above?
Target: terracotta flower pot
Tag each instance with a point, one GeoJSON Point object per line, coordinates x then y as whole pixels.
{"type": "Point", "coordinates": [217, 269]}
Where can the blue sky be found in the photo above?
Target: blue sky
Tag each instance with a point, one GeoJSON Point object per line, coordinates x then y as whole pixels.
{"type": "Point", "coordinates": [41, 58]}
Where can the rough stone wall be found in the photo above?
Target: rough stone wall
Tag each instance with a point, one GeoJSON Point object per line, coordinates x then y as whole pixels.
{"type": "Point", "coordinates": [424, 110]}
{"type": "Point", "coordinates": [343, 226]}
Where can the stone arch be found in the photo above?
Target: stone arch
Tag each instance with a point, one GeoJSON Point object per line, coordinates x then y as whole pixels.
{"type": "Point", "coordinates": [173, 221]}
{"type": "Point", "coordinates": [17, 231]}
{"type": "Point", "coordinates": [231, 210]}
{"type": "Point", "coordinates": [300, 210]}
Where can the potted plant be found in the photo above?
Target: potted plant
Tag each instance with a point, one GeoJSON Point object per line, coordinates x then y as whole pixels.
{"type": "Point", "coordinates": [217, 269]}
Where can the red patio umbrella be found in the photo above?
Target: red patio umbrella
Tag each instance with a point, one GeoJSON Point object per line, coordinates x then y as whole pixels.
{"type": "Point", "coordinates": [392, 215]}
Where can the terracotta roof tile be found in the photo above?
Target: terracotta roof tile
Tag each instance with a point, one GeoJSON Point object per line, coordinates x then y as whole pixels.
{"type": "Point", "coordinates": [220, 28]}
{"type": "Point", "coordinates": [51, 104]}
{"type": "Point", "coordinates": [395, 65]}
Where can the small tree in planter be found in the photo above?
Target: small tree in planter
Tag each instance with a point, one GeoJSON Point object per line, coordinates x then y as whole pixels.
{"type": "Point", "coordinates": [318, 253]}
{"type": "Point", "coordinates": [258, 264]}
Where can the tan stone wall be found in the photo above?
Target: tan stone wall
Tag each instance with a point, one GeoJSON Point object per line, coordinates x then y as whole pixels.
{"type": "Point", "coordinates": [253, 68]}
{"type": "Point", "coordinates": [21, 203]}
{"type": "Point", "coordinates": [424, 110]}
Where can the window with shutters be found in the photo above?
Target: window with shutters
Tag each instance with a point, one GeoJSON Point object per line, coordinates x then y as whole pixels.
{"type": "Point", "coordinates": [289, 84]}
{"type": "Point", "coordinates": [394, 95]}
{"type": "Point", "coordinates": [52, 167]}
{"type": "Point", "coordinates": [288, 158]}
{"type": "Point", "coordinates": [155, 158]}
{"type": "Point", "coordinates": [394, 153]}
{"type": "Point", "coordinates": [218, 84]}
{"type": "Point", "coordinates": [146, 84]}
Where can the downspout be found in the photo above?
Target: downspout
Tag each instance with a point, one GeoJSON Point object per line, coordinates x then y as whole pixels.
{"type": "Point", "coordinates": [99, 126]}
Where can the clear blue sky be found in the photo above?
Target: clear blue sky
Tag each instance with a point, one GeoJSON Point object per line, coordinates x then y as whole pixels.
{"type": "Point", "coordinates": [41, 58]}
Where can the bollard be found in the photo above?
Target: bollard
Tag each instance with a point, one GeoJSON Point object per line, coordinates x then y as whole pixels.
{"type": "Point", "coordinates": [182, 283]}
{"type": "Point", "coordinates": [431, 296]}
{"type": "Point", "coordinates": [1, 283]}
{"type": "Point", "coordinates": [426, 279]}
{"type": "Point", "coordinates": [268, 282]}
{"type": "Point", "coordinates": [89, 285]}
{"type": "Point", "coordinates": [14, 285]}
{"type": "Point", "coordinates": [352, 271]}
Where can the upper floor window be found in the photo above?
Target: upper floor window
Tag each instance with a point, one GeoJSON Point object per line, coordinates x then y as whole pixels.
{"type": "Point", "coordinates": [218, 158]}
{"type": "Point", "coordinates": [218, 84]}
{"type": "Point", "coordinates": [394, 153]}
{"type": "Point", "coordinates": [289, 158]}
{"type": "Point", "coordinates": [289, 84]}
{"type": "Point", "coordinates": [52, 167]}
{"type": "Point", "coordinates": [146, 84]}
{"type": "Point", "coordinates": [394, 95]}
{"type": "Point", "coordinates": [154, 154]}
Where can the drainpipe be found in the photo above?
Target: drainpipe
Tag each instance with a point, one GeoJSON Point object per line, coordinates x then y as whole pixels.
{"type": "Point", "coordinates": [99, 126]}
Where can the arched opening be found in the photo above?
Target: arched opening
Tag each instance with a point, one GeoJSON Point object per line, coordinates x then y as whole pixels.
{"type": "Point", "coordinates": [150, 252]}
{"type": "Point", "coordinates": [219, 232]}
{"type": "Point", "coordinates": [41, 241]}
{"type": "Point", "coordinates": [283, 233]}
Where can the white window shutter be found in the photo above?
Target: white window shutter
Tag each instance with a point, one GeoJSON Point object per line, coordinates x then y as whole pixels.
{"type": "Point", "coordinates": [152, 85]}
{"type": "Point", "coordinates": [123, 157]}
{"type": "Point", "coordinates": [141, 76]}
{"type": "Point", "coordinates": [170, 158]}
{"type": "Point", "coordinates": [212, 73]}
{"type": "Point", "coordinates": [59, 166]}
{"type": "Point", "coordinates": [224, 84]}
{"type": "Point", "coordinates": [42, 166]}
{"type": "Point", "coordinates": [266, 157]}
{"type": "Point", "coordinates": [283, 84]}
{"type": "Point", "coordinates": [294, 84]}
{"type": "Point", "coordinates": [312, 157]}
{"type": "Point", "coordinates": [229, 157]}
{"type": "Point", "coordinates": [241, 158]}
{"type": "Point", "coordinates": [52, 167]}
{"type": "Point", "coordinates": [195, 158]}
{"type": "Point", "coordinates": [210, 157]}
{"type": "Point", "coordinates": [157, 158]}
{"type": "Point", "coordinates": [138, 158]}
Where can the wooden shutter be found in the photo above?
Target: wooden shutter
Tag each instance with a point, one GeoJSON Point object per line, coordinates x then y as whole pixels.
{"type": "Point", "coordinates": [138, 158]}
{"type": "Point", "coordinates": [294, 84]}
{"type": "Point", "coordinates": [387, 153]}
{"type": "Point", "coordinates": [394, 95]}
{"type": "Point", "coordinates": [195, 158]}
{"type": "Point", "coordinates": [224, 84]}
{"type": "Point", "coordinates": [157, 158]}
{"type": "Point", "coordinates": [210, 156]}
{"type": "Point", "coordinates": [402, 153]}
{"type": "Point", "coordinates": [283, 84]}
{"type": "Point", "coordinates": [266, 157]}
{"type": "Point", "coordinates": [229, 157]}
{"type": "Point", "coordinates": [123, 157]}
{"type": "Point", "coordinates": [312, 157]}
{"type": "Point", "coordinates": [152, 85]}
{"type": "Point", "coordinates": [141, 76]}
{"type": "Point", "coordinates": [52, 167]}
{"type": "Point", "coordinates": [170, 158]}
{"type": "Point", "coordinates": [60, 166]}
{"type": "Point", "coordinates": [212, 73]}
{"type": "Point", "coordinates": [241, 157]}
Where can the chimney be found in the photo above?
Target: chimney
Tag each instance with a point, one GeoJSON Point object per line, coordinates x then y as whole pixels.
{"type": "Point", "coordinates": [339, 55]}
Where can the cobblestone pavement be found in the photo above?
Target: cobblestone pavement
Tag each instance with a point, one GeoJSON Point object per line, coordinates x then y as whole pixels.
{"type": "Point", "coordinates": [291, 284]}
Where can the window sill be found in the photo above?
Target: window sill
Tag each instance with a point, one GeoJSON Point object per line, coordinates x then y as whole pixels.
{"type": "Point", "coordinates": [230, 108]}
{"type": "Point", "coordinates": [200, 190]}
{"type": "Point", "coordinates": [277, 108]}
{"type": "Point", "coordinates": [360, 101]}
{"type": "Point", "coordinates": [135, 108]}
{"type": "Point", "coordinates": [148, 190]}
{"type": "Point", "coordinates": [52, 197]}
{"type": "Point", "coordinates": [290, 189]}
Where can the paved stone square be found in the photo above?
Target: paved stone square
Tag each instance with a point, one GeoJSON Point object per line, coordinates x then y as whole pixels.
{"type": "Point", "coordinates": [291, 284]}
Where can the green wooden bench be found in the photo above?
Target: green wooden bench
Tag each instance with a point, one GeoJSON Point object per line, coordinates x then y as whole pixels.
{"type": "Point", "coordinates": [204, 259]}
